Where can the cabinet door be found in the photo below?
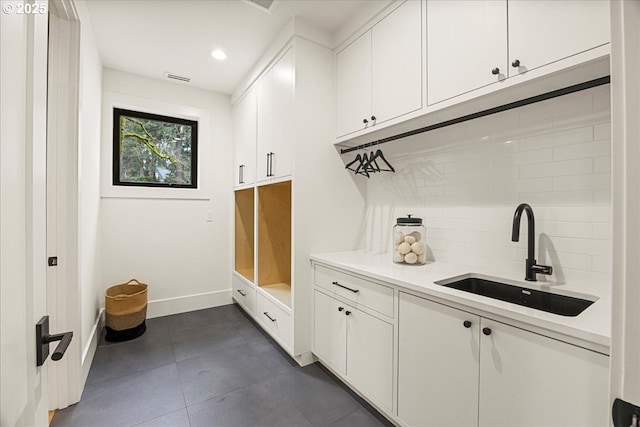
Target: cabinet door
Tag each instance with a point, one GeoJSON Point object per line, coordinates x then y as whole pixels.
{"type": "Point", "coordinates": [353, 85]}
{"type": "Point", "coordinates": [370, 355]}
{"type": "Point", "coordinates": [396, 63]}
{"type": "Point", "coordinates": [466, 40]}
{"type": "Point", "coordinates": [265, 125]}
{"type": "Point", "coordinates": [438, 364]}
{"type": "Point", "coordinates": [283, 116]}
{"type": "Point", "coordinates": [527, 379]}
{"type": "Point", "coordinates": [543, 31]}
{"type": "Point", "coordinates": [244, 126]}
{"type": "Point", "coordinates": [330, 331]}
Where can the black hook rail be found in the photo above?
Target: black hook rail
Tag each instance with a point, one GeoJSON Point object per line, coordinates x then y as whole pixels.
{"type": "Point", "coordinates": [532, 100]}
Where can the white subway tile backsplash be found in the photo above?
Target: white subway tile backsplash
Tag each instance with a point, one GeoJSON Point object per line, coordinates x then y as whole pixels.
{"type": "Point", "coordinates": [600, 181]}
{"type": "Point", "coordinates": [555, 139]}
{"type": "Point", "coordinates": [466, 180]}
{"type": "Point", "coordinates": [602, 164]}
{"type": "Point", "coordinates": [602, 131]}
{"type": "Point", "coordinates": [568, 167]}
{"type": "Point", "coordinates": [582, 151]}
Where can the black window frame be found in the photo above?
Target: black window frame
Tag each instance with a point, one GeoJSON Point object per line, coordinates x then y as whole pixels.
{"type": "Point", "coordinates": [117, 113]}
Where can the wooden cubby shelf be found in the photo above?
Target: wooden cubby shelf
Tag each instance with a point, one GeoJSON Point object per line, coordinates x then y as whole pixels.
{"type": "Point", "coordinates": [244, 234]}
{"type": "Point", "coordinates": [274, 240]}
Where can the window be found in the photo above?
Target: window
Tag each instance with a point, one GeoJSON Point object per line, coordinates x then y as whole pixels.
{"type": "Point", "coordinates": [154, 151]}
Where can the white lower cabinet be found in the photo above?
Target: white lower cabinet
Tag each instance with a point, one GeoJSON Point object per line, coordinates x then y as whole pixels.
{"type": "Point", "coordinates": [458, 369]}
{"type": "Point", "coordinates": [244, 294]}
{"type": "Point", "coordinates": [356, 345]}
{"type": "Point", "coordinates": [276, 319]}
{"type": "Point", "coordinates": [437, 364]}
{"type": "Point", "coordinates": [528, 379]}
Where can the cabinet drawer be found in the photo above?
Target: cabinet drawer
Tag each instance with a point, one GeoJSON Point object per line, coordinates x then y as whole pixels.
{"type": "Point", "coordinates": [363, 292]}
{"type": "Point", "coordinates": [277, 320]}
{"type": "Point", "coordinates": [244, 294]}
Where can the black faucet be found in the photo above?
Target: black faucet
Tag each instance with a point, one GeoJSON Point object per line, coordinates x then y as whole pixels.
{"type": "Point", "coordinates": [531, 267]}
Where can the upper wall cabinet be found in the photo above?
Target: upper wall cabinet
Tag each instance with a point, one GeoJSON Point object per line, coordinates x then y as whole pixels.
{"type": "Point", "coordinates": [379, 75]}
{"type": "Point", "coordinates": [275, 106]}
{"type": "Point", "coordinates": [542, 32]}
{"type": "Point", "coordinates": [471, 44]}
{"type": "Point", "coordinates": [467, 40]}
{"type": "Point", "coordinates": [244, 128]}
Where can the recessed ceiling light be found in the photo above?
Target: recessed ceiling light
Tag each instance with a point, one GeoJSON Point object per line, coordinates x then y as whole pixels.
{"type": "Point", "coordinates": [218, 54]}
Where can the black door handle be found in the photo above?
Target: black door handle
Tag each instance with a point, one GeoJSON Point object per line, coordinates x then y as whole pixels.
{"type": "Point", "coordinates": [43, 339]}
{"type": "Point", "coordinates": [269, 317]}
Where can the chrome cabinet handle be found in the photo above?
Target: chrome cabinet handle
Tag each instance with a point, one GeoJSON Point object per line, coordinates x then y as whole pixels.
{"type": "Point", "coordinates": [269, 317]}
{"type": "Point", "coordinates": [355, 291]}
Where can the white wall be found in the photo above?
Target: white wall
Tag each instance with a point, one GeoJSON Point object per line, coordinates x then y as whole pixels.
{"type": "Point", "coordinates": [161, 236]}
{"type": "Point", "coordinates": [89, 183]}
{"type": "Point", "coordinates": [466, 181]}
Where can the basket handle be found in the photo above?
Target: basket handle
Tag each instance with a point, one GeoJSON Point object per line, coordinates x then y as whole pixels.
{"type": "Point", "coordinates": [133, 280]}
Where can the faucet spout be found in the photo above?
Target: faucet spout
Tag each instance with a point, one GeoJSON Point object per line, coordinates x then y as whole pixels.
{"type": "Point", "coordinates": [531, 264]}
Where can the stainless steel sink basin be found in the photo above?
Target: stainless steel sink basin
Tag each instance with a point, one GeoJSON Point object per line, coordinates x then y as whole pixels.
{"type": "Point", "coordinates": [564, 305]}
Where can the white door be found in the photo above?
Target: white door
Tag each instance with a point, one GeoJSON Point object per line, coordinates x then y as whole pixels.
{"type": "Point", "coordinates": [527, 379]}
{"type": "Point", "coordinates": [23, 38]}
{"type": "Point", "coordinates": [466, 41]}
{"type": "Point", "coordinates": [283, 114]}
{"type": "Point", "coordinates": [353, 86]}
{"type": "Point", "coordinates": [438, 364]}
{"type": "Point", "coordinates": [370, 355]}
{"type": "Point", "coordinates": [265, 127]}
{"type": "Point", "coordinates": [244, 126]}
{"type": "Point", "coordinates": [396, 63]}
{"type": "Point", "coordinates": [544, 31]}
{"type": "Point", "coordinates": [330, 331]}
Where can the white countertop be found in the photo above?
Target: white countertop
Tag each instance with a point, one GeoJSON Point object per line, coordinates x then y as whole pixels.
{"type": "Point", "coordinates": [592, 325]}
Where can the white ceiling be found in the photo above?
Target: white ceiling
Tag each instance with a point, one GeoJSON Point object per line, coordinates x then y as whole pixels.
{"type": "Point", "coordinates": [151, 37]}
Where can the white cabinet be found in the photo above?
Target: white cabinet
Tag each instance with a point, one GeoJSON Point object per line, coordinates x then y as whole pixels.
{"type": "Point", "coordinates": [544, 31]}
{"type": "Point", "coordinates": [437, 364]}
{"type": "Point", "coordinates": [355, 344]}
{"type": "Point", "coordinates": [466, 41]}
{"type": "Point", "coordinates": [244, 294]}
{"type": "Point", "coordinates": [244, 128]}
{"type": "Point", "coordinates": [379, 75]}
{"type": "Point", "coordinates": [485, 373]}
{"type": "Point", "coordinates": [497, 39]}
{"type": "Point", "coordinates": [275, 120]}
{"type": "Point", "coordinates": [531, 380]}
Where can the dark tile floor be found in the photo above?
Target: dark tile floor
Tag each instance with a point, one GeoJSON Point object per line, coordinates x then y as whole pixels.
{"type": "Point", "coordinates": [211, 367]}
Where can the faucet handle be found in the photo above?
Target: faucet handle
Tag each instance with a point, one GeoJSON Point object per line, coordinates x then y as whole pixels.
{"type": "Point", "coordinates": [542, 269]}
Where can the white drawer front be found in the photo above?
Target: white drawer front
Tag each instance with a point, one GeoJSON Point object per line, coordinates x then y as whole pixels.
{"type": "Point", "coordinates": [276, 319]}
{"type": "Point", "coordinates": [363, 292]}
{"type": "Point", "coordinates": [244, 295]}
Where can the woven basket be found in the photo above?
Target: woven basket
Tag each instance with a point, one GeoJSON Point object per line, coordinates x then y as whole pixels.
{"type": "Point", "coordinates": [126, 310]}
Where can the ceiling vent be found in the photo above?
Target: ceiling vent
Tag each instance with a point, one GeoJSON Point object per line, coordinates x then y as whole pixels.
{"type": "Point", "coordinates": [172, 76]}
{"type": "Point", "coordinates": [264, 5]}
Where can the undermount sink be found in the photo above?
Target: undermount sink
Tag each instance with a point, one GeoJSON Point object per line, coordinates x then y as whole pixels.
{"type": "Point", "coordinates": [563, 305]}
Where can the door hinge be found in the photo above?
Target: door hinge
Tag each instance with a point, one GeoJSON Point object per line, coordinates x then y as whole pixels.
{"type": "Point", "coordinates": [52, 261]}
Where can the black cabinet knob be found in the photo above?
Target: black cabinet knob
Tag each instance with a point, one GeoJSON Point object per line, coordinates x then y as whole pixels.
{"type": "Point", "coordinates": [340, 308]}
{"type": "Point", "coordinates": [516, 63]}
{"type": "Point", "coordinates": [495, 71]}
{"type": "Point", "coordinates": [467, 324]}
{"type": "Point", "coordinates": [373, 118]}
{"type": "Point", "coordinates": [365, 121]}
{"type": "Point", "coordinates": [486, 331]}
{"type": "Point", "coordinates": [347, 312]}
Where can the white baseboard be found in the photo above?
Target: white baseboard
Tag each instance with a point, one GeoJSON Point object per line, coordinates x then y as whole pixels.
{"type": "Point", "coordinates": [90, 349]}
{"type": "Point", "coordinates": [165, 307]}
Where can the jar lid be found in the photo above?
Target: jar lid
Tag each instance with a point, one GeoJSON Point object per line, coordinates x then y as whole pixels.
{"type": "Point", "coordinates": [409, 221]}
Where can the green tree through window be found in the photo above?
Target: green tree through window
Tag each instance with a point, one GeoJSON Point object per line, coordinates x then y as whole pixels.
{"type": "Point", "coordinates": [154, 150]}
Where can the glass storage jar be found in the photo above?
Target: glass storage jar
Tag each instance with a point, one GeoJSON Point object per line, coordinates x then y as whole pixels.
{"type": "Point", "coordinates": [409, 241]}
